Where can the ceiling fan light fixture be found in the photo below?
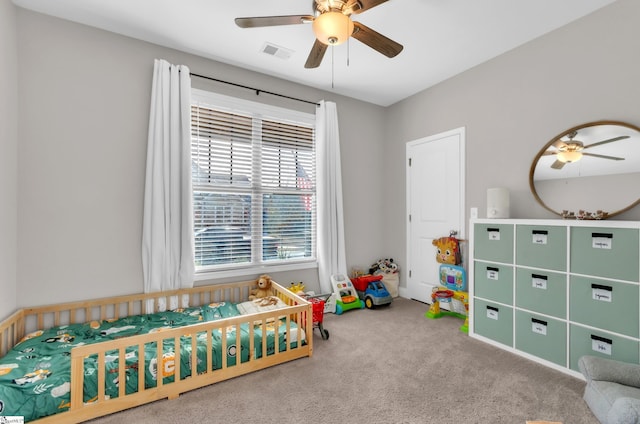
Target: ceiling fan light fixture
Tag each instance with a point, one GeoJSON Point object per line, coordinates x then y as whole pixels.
{"type": "Point", "coordinates": [333, 28]}
{"type": "Point", "coordinates": [569, 156]}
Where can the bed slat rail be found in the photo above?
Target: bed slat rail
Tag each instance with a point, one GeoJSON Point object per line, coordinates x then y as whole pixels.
{"type": "Point", "coordinates": [27, 320]}
{"type": "Point", "coordinates": [171, 366]}
{"type": "Point", "coordinates": [47, 316]}
{"type": "Point", "coordinates": [11, 331]}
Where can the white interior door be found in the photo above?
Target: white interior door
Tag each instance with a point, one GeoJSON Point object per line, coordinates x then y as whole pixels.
{"type": "Point", "coordinates": [435, 203]}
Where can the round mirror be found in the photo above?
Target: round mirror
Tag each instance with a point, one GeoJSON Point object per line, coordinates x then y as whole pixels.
{"type": "Point", "coordinates": [594, 167]}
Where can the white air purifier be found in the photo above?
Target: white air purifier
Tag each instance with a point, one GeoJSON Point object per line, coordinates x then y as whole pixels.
{"type": "Point", "coordinates": [498, 203]}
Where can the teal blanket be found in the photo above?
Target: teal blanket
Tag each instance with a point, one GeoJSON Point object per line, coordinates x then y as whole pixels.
{"type": "Point", "coordinates": [35, 375]}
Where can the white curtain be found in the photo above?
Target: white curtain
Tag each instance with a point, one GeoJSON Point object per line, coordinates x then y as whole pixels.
{"type": "Point", "coordinates": [331, 250]}
{"type": "Point", "coordinates": [167, 229]}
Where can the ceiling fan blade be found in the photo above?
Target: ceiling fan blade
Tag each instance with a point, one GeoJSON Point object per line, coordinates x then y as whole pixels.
{"type": "Point", "coordinates": [360, 6]}
{"type": "Point", "coordinates": [557, 164]}
{"type": "Point", "coordinates": [602, 156]}
{"type": "Point", "coordinates": [265, 21]}
{"type": "Point", "coordinates": [375, 40]}
{"type": "Point", "coordinates": [316, 54]}
{"type": "Point", "coordinates": [622, 137]}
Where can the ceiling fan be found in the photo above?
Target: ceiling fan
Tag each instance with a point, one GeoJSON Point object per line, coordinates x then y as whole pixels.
{"type": "Point", "coordinates": [573, 150]}
{"type": "Point", "coordinates": [332, 25]}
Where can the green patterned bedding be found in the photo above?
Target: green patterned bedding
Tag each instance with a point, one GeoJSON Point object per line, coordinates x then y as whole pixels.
{"type": "Point", "coordinates": [35, 375]}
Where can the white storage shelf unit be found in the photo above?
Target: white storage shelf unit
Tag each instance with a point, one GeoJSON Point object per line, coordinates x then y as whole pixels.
{"type": "Point", "coordinates": [554, 290]}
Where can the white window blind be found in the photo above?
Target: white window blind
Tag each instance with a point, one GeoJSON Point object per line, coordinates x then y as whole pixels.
{"type": "Point", "coordinates": [253, 183]}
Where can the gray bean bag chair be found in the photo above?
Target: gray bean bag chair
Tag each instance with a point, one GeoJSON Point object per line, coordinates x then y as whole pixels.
{"type": "Point", "coordinates": [613, 389]}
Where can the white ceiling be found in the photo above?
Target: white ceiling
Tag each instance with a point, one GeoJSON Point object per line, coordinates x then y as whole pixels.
{"type": "Point", "coordinates": [441, 38]}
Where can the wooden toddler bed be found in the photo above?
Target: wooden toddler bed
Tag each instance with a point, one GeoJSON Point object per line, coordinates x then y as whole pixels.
{"type": "Point", "coordinates": [65, 363]}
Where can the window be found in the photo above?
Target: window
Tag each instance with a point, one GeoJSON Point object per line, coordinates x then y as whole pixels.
{"type": "Point", "coordinates": [253, 176]}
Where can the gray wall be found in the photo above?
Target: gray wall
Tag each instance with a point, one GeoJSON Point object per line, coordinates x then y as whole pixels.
{"type": "Point", "coordinates": [514, 104]}
{"type": "Point", "coordinates": [83, 113]}
{"type": "Point", "coordinates": [84, 107]}
{"type": "Point", "coordinates": [8, 157]}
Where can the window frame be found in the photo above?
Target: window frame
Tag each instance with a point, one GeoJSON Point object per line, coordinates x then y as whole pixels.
{"type": "Point", "coordinates": [259, 110]}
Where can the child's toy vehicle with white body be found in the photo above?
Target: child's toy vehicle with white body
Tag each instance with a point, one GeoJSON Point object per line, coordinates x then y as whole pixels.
{"type": "Point", "coordinates": [372, 291]}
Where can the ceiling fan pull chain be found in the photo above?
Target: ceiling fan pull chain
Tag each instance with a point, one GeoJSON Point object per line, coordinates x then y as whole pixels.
{"type": "Point", "coordinates": [332, 67]}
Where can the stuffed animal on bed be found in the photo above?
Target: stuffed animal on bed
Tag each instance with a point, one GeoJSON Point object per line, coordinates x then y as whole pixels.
{"type": "Point", "coordinates": [263, 290]}
{"type": "Point", "coordinates": [448, 250]}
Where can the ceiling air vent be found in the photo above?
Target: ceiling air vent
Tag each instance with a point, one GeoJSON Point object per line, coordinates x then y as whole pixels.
{"type": "Point", "coordinates": [277, 51]}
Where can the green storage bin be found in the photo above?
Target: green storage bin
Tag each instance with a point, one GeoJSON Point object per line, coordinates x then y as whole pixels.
{"type": "Point", "coordinates": [586, 341]}
{"type": "Point", "coordinates": [543, 337]}
{"type": "Point", "coordinates": [493, 281]}
{"type": "Point", "coordinates": [493, 242]}
{"type": "Point", "coordinates": [605, 252]}
{"type": "Point", "coordinates": [542, 246]}
{"type": "Point", "coordinates": [610, 305]}
{"type": "Point", "coordinates": [542, 291]}
{"type": "Point", "coordinates": [493, 321]}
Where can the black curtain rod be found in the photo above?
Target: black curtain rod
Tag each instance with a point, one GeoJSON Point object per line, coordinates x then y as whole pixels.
{"type": "Point", "coordinates": [258, 91]}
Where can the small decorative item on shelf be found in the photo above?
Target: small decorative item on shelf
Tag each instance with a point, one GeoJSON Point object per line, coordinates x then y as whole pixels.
{"type": "Point", "coordinates": [584, 215]}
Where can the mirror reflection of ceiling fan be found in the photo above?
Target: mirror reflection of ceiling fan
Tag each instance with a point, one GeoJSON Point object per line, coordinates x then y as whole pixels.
{"type": "Point", "coordinates": [573, 150]}
{"type": "Point", "coordinates": [332, 25]}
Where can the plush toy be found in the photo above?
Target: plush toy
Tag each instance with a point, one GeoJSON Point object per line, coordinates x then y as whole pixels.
{"type": "Point", "coordinates": [383, 266]}
{"type": "Point", "coordinates": [297, 288]}
{"type": "Point", "coordinates": [392, 267]}
{"type": "Point", "coordinates": [448, 250]}
{"type": "Point", "coordinates": [263, 290]}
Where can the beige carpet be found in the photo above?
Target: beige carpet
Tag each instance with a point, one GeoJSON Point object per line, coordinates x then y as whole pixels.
{"type": "Point", "coordinates": [390, 365]}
